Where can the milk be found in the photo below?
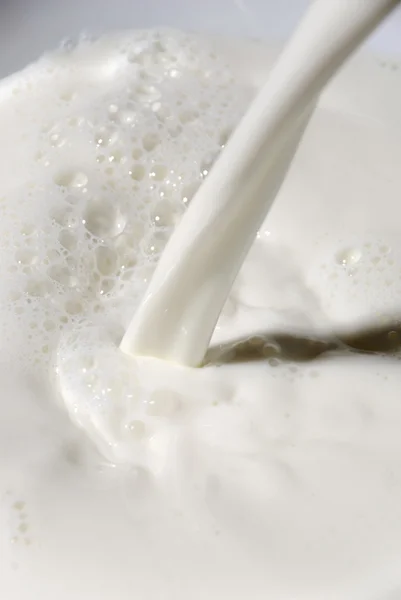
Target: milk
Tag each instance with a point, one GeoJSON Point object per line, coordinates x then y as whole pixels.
{"type": "Point", "coordinates": [125, 477]}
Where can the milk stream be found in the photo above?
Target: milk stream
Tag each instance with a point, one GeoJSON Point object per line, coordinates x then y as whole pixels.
{"type": "Point", "coordinates": [273, 472]}
{"type": "Point", "coordinates": [176, 319]}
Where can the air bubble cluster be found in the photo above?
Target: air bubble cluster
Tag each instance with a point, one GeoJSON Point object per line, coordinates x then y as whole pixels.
{"type": "Point", "coordinates": [118, 134]}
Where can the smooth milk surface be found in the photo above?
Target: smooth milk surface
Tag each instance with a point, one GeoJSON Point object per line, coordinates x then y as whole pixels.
{"type": "Point", "coordinates": [275, 470]}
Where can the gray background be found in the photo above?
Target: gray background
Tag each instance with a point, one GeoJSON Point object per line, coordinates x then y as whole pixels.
{"type": "Point", "coordinates": [28, 27]}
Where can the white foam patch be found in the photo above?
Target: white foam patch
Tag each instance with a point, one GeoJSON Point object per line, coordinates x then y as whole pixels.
{"type": "Point", "coordinates": [117, 136]}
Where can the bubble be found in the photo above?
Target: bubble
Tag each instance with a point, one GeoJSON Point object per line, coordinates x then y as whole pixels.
{"type": "Point", "coordinates": [106, 286]}
{"type": "Point", "coordinates": [118, 157]}
{"type": "Point", "coordinates": [136, 153]}
{"type": "Point", "coordinates": [349, 257]}
{"type": "Point", "coordinates": [138, 172]}
{"type": "Point", "coordinates": [158, 172]}
{"type": "Point", "coordinates": [67, 239]}
{"type": "Point", "coordinates": [105, 137]}
{"type": "Point", "coordinates": [103, 218]}
{"type": "Point", "coordinates": [73, 307]}
{"type": "Point", "coordinates": [130, 239]}
{"type": "Point", "coordinates": [106, 260]}
{"type": "Point", "coordinates": [150, 141]}
{"type": "Point", "coordinates": [72, 179]}
{"type": "Point", "coordinates": [154, 244]}
{"type": "Point", "coordinates": [57, 140]}
{"type": "Point", "coordinates": [164, 214]}
{"type": "Point", "coordinates": [61, 274]}
{"type": "Point", "coordinates": [163, 403]}
{"type": "Point", "coordinates": [146, 93]}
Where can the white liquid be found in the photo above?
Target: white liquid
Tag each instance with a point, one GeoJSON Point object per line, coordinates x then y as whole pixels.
{"type": "Point", "coordinates": [271, 478]}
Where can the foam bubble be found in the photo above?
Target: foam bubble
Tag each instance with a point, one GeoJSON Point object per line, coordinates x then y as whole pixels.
{"type": "Point", "coordinates": [150, 141]}
{"type": "Point", "coordinates": [154, 243]}
{"type": "Point", "coordinates": [62, 274]}
{"type": "Point", "coordinates": [158, 172]}
{"type": "Point", "coordinates": [165, 213]}
{"type": "Point", "coordinates": [105, 136]}
{"type": "Point", "coordinates": [349, 257]}
{"type": "Point", "coordinates": [103, 218]}
{"type": "Point", "coordinates": [67, 240]}
{"type": "Point", "coordinates": [73, 179]}
{"type": "Point", "coordinates": [106, 260]}
{"type": "Point", "coordinates": [138, 172]}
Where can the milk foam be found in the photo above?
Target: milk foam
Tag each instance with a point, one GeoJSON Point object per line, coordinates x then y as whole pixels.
{"type": "Point", "coordinates": [117, 173]}
{"type": "Point", "coordinates": [278, 475]}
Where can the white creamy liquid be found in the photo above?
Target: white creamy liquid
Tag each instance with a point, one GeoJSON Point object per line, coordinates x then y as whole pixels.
{"type": "Point", "coordinates": [273, 478]}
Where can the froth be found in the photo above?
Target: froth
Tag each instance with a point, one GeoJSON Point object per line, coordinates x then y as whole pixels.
{"type": "Point", "coordinates": [114, 145]}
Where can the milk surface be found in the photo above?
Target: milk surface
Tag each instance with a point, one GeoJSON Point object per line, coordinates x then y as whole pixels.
{"type": "Point", "coordinates": [273, 471]}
